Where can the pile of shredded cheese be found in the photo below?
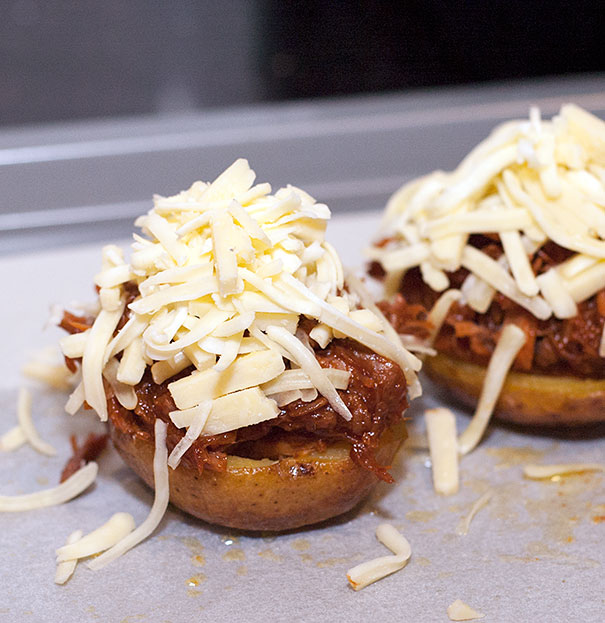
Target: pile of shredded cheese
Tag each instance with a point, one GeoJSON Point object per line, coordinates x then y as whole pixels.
{"type": "Point", "coordinates": [225, 271]}
{"type": "Point", "coordinates": [529, 182]}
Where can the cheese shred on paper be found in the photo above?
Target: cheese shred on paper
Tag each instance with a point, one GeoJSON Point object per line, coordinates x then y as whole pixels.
{"type": "Point", "coordinates": [373, 570]}
{"type": "Point", "coordinates": [224, 272]}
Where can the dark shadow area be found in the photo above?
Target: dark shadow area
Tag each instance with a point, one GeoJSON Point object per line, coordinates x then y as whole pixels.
{"type": "Point", "coordinates": [64, 60]}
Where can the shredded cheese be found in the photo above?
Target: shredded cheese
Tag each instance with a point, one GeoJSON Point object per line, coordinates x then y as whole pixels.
{"type": "Point", "coordinates": [71, 488]}
{"type": "Point", "coordinates": [305, 358]}
{"type": "Point", "coordinates": [225, 271]}
{"type": "Point", "coordinates": [113, 530]}
{"type": "Point", "coordinates": [160, 504]}
{"type": "Point", "coordinates": [200, 416]}
{"type": "Point", "coordinates": [439, 312]}
{"type": "Point", "coordinates": [12, 439]}
{"type": "Point", "coordinates": [26, 424]}
{"type": "Point", "coordinates": [93, 359]}
{"type": "Point", "coordinates": [368, 572]}
{"type": "Point", "coordinates": [465, 523]}
{"type": "Point", "coordinates": [459, 611]}
{"type": "Point", "coordinates": [509, 344]}
{"type": "Point", "coordinates": [526, 181]}
{"type": "Point", "coordinates": [66, 568]}
{"type": "Point", "coordinates": [55, 375]}
{"type": "Point", "coordinates": [443, 448]}
{"type": "Point", "coordinates": [542, 472]}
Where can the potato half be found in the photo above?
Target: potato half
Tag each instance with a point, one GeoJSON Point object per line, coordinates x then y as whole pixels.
{"type": "Point", "coordinates": [529, 399]}
{"type": "Point", "coordinates": [266, 494]}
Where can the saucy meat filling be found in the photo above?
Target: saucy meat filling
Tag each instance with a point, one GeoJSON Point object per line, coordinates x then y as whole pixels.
{"type": "Point", "coordinates": [376, 397]}
{"type": "Point", "coordinates": [556, 346]}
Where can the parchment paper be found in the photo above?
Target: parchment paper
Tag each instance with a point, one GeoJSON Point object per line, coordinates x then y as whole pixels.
{"type": "Point", "coordinates": [535, 553]}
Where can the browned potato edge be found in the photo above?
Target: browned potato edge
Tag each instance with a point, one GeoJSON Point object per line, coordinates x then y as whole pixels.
{"type": "Point", "coordinates": [265, 495]}
{"type": "Point", "coordinates": [527, 399]}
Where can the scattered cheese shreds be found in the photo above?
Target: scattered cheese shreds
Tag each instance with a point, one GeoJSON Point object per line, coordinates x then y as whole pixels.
{"type": "Point", "coordinates": [443, 448]}
{"type": "Point", "coordinates": [465, 523]}
{"type": "Point", "coordinates": [55, 375]}
{"type": "Point", "coordinates": [26, 423]}
{"type": "Point", "coordinates": [66, 569]}
{"type": "Point", "coordinates": [509, 344]}
{"type": "Point", "coordinates": [459, 611]}
{"type": "Point", "coordinates": [542, 472]}
{"type": "Point", "coordinates": [112, 531]}
{"type": "Point", "coordinates": [368, 572]}
{"type": "Point", "coordinates": [160, 503]}
{"type": "Point", "coordinates": [71, 488]}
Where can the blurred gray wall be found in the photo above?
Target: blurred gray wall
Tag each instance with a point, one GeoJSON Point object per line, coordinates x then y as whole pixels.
{"type": "Point", "coordinates": [93, 58]}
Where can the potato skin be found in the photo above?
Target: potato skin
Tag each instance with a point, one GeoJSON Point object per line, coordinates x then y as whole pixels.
{"type": "Point", "coordinates": [526, 399]}
{"type": "Point", "coordinates": [265, 495]}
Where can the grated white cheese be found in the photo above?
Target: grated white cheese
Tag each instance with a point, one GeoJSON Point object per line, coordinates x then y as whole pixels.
{"type": "Point", "coordinates": [464, 525]}
{"type": "Point", "coordinates": [93, 360]}
{"type": "Point", "coordinates": [532, 181]}
{"type": "Point", "coordinates": [71, 488]}
{"type": "Point", "coordinates": [246, 371]}
{"type": "Point", "coordinates": [509, 344]}
{"type": "Point", "coordinates": [305, 358]}
{"type": "Point", "coordinates": [221, 267]}
{"type": "Point", "coordinates": [459, 611]}
{"type": "Point", "coordinates": [66, 569]}
{"type": "Point", "coordinates": [368, 572]}
{"type": "Point", "coordinates": [443, 448]}
{"type": "Point", "coordinates": [75, 400]}
{"type": "Point", "coordinates": [26, 424]}
{"type": "Point", "coordinates": [439, 312]}
{"type": "Point", "coordinates": [125, 394]}
{"type": "Point", "coordinates": [200, 416]}
{"type": "Point", "coordinates": [55, 375]}
{"type": "Point", "coordinates": [113, 530]}
{"type": "Point", "coordinates": [558, 297]}
{"type": "Point", "coordinates": [160, 504]}
{"type": "Point", "coordinates": [292, 380]}
{"type": "Point", "coordinates": [13, 438]}
{"type": "Point", "coordinates": [541, 472]}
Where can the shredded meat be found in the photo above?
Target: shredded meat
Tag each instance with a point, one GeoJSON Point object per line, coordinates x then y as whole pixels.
{"type": "Point", "coordinates": [88, 451]}
{"type": "Point", "coordinates": [75, 324]}
{"type": "Point", "coordinates": [376, 397]}
{"type": "Point", "coordinates": [568, 347]}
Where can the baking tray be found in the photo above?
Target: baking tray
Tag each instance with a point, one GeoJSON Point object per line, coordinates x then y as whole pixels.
{"type": "Point", "coordinates": [533, 554]}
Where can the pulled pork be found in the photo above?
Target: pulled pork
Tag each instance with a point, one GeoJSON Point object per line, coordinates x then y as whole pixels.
{"type": "Point", "coordinates": [376, 397]}
{"type": "Point", "coordinates": [562, 347]}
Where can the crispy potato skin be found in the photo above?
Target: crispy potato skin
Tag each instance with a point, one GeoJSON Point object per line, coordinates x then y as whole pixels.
{"type": "Point", "coordinates": [265, 495]}
{"type": "Point", "coordinates": [526, 399]}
